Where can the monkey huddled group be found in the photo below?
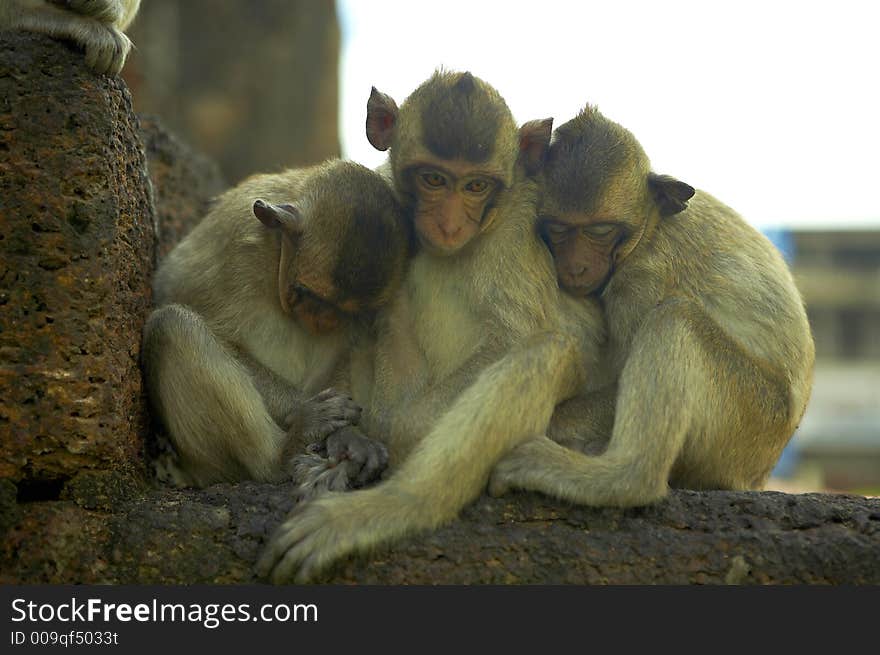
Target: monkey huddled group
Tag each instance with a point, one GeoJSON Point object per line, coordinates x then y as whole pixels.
{"type": "Point", "coordinates": [497, 307]}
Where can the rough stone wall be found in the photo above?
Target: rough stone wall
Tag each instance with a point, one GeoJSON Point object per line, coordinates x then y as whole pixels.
{"type": "Point", "coordinates": [76, 254]}
{"type": "Point", "coordinates": [184, 183]}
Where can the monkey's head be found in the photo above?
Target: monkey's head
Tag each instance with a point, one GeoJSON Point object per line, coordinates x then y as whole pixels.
{"type": "Point", "coordinates": [454, 148]}
{"type": "Point", "coordinates": [344, 246]}
{"type": "Point", "coordinates": [600, 199]}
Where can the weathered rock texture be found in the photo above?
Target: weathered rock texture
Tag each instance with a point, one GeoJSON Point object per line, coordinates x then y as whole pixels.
{"type": "Point", "coordinates": [184, 183]}
{"type": "Point", "coordinates": [215, 535]}
{"type": "Point", "coordinates": [77, 241]}
{"type": "Point", "coordinates": [252, 84]}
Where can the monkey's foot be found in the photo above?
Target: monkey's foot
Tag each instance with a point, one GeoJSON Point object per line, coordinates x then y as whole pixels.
{"type": "Point", "coordinates": [511, 471]}
{"type": "Point", "coordinates": [316, 475]}
{"type": "Point", "coordinates": [168, 472]}
{"type": "Point", "coordinates": [105, 46]}
{"type": "Point", "coordinates": [319, 533]}
{"type": "Point", "coordinates": [106, 50]}
{"type": "Point", "coordinates": [365, 459]}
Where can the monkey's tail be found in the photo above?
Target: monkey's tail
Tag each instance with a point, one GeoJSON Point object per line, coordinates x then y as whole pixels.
{"type": "Point", "coordinates": [511, 401]}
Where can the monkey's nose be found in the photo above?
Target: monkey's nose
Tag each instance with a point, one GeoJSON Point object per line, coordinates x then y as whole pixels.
{"type": "Point", "coordinates": [576, 272]}
{"type": "Point", "coordinates": [449, 230]}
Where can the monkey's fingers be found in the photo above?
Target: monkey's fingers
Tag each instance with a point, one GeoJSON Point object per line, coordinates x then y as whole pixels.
{"type": "Point", "coordinates": [317, 481]}
{"type": "Point", "coordinates": [497, 486]}
{"type": "Point", "coordinates": [299, 548]}
{"type": "Point", "coordinates": [341, 408]}
{"type": "Point", "coordinates": [326, 394]}
{"type": "Point", "coordinates": [510, 471]}
{"type": "Point", "coordinates": [324, 428]}
{"type": "Point", "coordinates": [106, 50]}
{"type": "Point", "coordinates": [374, 465]}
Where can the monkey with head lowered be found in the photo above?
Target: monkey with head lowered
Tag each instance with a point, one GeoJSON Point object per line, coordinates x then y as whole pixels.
{"type": "Point", "coordinates": [257, 308]}
{"type": "Point", "coordinates": [708, 338]}
{"type": "Point", "coordinates": [477, 346]}
{"type": "Point", "coordinates": [95, 25]}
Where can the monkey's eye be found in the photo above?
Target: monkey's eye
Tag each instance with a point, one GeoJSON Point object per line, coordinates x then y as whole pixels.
{"type": "Point", "coordinates": [433, 179]}
{"type": "Point", "coordinates": [599, 230]}
{"type": "Point", "coordinates": [556, 232]}
{"type": "Point", "coordinates": [478, 186]}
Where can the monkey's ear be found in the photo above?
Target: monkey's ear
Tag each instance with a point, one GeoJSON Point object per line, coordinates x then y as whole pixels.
{"type": "Point", "coordinates": [381, 119]}
{"type": "Point", "coordinates": [534, 141]}
{"type": "Point", "coordinates": [671, 195]}
{"type": "Point", "coordinates": [284, 217]}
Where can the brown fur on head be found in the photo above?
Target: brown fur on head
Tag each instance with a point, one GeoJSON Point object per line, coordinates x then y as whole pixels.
{"type": "Point", "coordinates": [344, 245]}
{"type": "Point", "coordinates": [600, 198]}
{"type": "Point", "coordinates": [454, 148]}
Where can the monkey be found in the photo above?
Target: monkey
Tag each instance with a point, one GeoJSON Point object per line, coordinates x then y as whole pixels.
{"type": "Point", "coordinates": [95, 25]}
{"type": "Point", "coordinates": [256, 308]}
{"type": "Point", "coordinates": [709, 344]}
{"type": "Point", "coordinates": [478, 345]}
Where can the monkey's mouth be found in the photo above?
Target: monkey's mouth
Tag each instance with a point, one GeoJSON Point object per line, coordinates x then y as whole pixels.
{"type": "Point", "coordinates": [584, 289]}
{"type": "Point", "coordinates": [317, 315]}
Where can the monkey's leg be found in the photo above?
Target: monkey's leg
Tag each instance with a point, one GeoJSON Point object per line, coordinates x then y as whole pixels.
{"type": "Point", "coordinates": [207, 401]}
{"type": "Point", "coordinates": [685, 391]}
{"type": "Point", "coordinates": [585, 422]}
{"type": "Point", "coordinates": [448, 469]}
{"type": "Point", "coordinates": [106, 47]}
{"type": "Point", "coordinates": [306, 418]}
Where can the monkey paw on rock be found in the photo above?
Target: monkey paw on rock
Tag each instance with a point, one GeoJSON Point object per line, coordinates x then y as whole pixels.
{"type": "Point", "coordinates": [320, 532]}
{"type": "Point", "coordinates": [345, 460]}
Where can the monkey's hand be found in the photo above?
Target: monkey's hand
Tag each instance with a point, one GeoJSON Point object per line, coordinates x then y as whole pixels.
{"type": "Point", "coordinates": [106, 48]}
{"type": "Point", "coordinates": [319, 416]}
{"type": "Point", "coordinates": [92, 24]}
{"type": "Point", "coordinates": [322, 531]}
{"type": "Point", "coordinates": [345, 460]}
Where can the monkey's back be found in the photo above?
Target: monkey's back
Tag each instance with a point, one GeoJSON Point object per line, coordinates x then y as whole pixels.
{"type": "Point", "coordinates": [709, 254]}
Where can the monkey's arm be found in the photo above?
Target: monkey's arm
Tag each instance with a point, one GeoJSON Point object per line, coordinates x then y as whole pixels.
{"type": "Point", "coordinates": [403, 423]}
{"type": "Point", "coordinates": [686, 387]}
{"type": "Point", "coordinates": [307, 418]}
{"type": "Point", "coordinates": [448, 468]}
{"type": "Point", "coordinates": [96, 25]}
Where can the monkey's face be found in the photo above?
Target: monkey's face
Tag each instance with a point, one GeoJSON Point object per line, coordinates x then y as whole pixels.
{"type": "Point", "coordinates": [583, 250]}
{"type": "Point", "coordinates": [452, 200]}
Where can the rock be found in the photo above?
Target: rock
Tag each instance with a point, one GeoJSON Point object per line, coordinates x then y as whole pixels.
{"type": "Point", "coordinates": [215, 536]}
{"type": "Point", "coordinates": [77, 238]}
{"type": "Point", "coordinates": [184, 182]}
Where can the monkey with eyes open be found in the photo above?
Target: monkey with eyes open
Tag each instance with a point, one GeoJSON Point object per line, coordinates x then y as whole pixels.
{"type": "Point", "coordinates": [478, 345]}
{"type": "Point", "coordinates": [96, 25]}
{"type": "Point", "coordinates": [257, 308]}
{"type": "Point", "coordinates": [709, 342]}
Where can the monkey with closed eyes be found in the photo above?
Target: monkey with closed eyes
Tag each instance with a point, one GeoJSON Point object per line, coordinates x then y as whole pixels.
{"type": "Point", "coordinates": [477, 346]}
{"type": "Point", "coordinates": [95, 25]}
{"type": "Point", "coordinates": [709, 342]}
{"type": "Point", "coordinates": [256, 310]}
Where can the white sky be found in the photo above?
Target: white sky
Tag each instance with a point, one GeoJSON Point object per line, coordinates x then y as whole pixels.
{"type": "Point", "coordinates": [773, 106]}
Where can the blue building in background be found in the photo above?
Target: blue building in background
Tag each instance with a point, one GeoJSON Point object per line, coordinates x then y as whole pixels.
{"type": "Point", "coordinates": [783, 240]}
